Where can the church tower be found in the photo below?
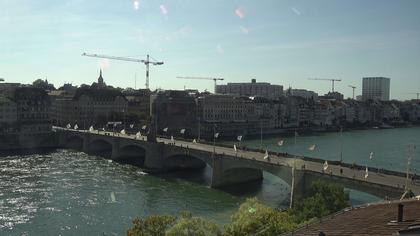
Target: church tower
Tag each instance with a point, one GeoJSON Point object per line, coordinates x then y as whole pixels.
{"type": "Point", "coordinates": [101, 83]}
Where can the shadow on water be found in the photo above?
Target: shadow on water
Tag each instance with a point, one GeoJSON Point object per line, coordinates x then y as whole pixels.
{"type": "Point", "coordinates": [198, 176]}
{"type": "Point", "coordinates": [250, 188]}
{"type": "Point", "coordinates": [271, 190]}
{"type": "Point", "coordinates": [27, 152]}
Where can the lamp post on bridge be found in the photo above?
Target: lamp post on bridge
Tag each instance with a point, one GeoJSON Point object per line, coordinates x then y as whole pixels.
{"type": "Point", "coordinates": [410, 151]}
{"type": "Point", "coordinates": [215, 135]}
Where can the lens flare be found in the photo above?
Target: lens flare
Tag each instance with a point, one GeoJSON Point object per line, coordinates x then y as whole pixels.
{"type": "Point", "coordinates": [244, 30]}
{"type": "Point", "coordinates": [240, 12]}
{"type": "Point", "coordinates": [296, 11]}
{"type": "Point", "coordinates": [163, 10]}
{"type": "Point", "coordinates": [136, 4]}
{"type": "Point", "coordinates": [103, 63]}
{"type": "Point", "coordinates": [220, 49]}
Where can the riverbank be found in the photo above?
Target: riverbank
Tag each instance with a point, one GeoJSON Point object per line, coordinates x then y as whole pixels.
{"type": "Point", "coordinates": [289, 132]}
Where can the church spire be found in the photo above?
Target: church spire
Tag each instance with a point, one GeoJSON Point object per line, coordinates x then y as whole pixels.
{"type": "Point", "coordinates": [100, 79]}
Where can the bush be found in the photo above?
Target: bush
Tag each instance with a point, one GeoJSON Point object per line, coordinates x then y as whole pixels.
{"type": "Point", "coordinates": [324, 199]}
{"type": "Point", "coordinates": [151, 226]}
{"type": "Point", "coordinates": [168, 225]}
{"type": "Point", "coordinates": [254, 218]}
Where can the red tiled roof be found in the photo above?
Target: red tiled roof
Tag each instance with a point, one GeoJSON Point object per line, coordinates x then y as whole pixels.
{"type": "Point", "coordinates": [374, 219]}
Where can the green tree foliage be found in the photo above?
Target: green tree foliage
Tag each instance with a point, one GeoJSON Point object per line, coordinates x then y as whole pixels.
{"type": "Point", "coordinates": [254, 218]}
{"type": "Point", "coordinates": [193, 226]}
{"type": "Point", "coordinates": [151, 226]}
{"type": "Point", "coordinates": [167, 225]}
{"type": "Point", "coordinates": [324, 199]}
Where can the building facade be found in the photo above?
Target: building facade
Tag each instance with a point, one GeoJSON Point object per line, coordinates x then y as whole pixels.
{"type": "Point", "coordinates": [8, 115]}
{"type": "Point", "coordinates": [172, 111]}
{"type": "Point", "coordinates": [138, 105]}
{"type": "Point", "coordinates": [87, 106]}
{"type": "Point", "coordinates": [254, 88]}
{"type": "Point", "coordinates": [303, 93]}
{"type": "Point", "coordinates": [376, 88]}
{"type": "Point", "coordinates": [32, 124]}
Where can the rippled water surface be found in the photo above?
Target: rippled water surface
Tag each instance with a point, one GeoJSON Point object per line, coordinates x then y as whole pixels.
{"type": "Point", "coordinates": [388, 145]}
{"type": "Point", "coordinates": [72, 193]}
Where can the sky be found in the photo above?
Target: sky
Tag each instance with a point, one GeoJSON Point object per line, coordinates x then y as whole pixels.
{"type": "Point", "coordinates": [277, 41]}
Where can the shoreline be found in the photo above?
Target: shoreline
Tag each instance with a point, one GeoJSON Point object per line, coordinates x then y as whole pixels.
{"type": "Point", "coordinates": [289, 132]}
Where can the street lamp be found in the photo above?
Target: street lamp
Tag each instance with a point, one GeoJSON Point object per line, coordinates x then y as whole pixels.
{"type": "Point", "coordinates": [215, 135]}
{"type": "Point", "coordinates": [341, 145]}
{"type": "Point", "coordinates": [261, 135]}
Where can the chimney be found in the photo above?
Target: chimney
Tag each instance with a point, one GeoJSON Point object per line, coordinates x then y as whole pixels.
{"type": "Point", "coordinates": [400, 212]}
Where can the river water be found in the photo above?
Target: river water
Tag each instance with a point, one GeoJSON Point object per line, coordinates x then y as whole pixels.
{"type": "Point", "coordinates": [72, 193]}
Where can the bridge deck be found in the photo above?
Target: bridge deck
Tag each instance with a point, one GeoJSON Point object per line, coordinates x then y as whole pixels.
{"type": "Point", "coordinates": [333, 170]}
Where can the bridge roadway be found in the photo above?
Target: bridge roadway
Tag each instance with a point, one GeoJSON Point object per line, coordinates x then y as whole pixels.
{"type": "Point", "coordinates": [335, 173]}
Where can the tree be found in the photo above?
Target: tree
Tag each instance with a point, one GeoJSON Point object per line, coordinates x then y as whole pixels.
{"type": "Point", "coordinates": [39, 83]}
{"type": "Point", "coordinates": [254, 218]}
{"type": "Point", "coordinates": [152, 225]}
{"type": "Point", "coordinates": [168, 225]}
{"type": "Point", "coordinates": [193, 226]}
{"type": "Point", "coordinates": [323, 199]}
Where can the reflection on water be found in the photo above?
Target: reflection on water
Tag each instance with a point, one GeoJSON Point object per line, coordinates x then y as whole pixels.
{"type": "Point", "coordinates": [72, 193]}
{"type": "Point", "coordinates": [388, 145]}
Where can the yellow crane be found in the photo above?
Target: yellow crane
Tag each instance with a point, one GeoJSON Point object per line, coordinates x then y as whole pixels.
{"type": "Point", "coordinates": [147, 62]}
{"type": "Point", "coordinates": [332, 81]}
{"type": "Point", "coordinates": [203, 78]}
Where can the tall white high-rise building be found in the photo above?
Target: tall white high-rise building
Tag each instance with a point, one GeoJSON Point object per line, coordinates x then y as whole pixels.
{"type": "Point", "coordinates": [376, 88]}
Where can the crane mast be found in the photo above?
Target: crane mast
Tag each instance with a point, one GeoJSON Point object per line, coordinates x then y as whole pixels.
{"type": "Point", "coordinates": [147, 62]}
{"type": "Point", "coordinates": [353, 87]}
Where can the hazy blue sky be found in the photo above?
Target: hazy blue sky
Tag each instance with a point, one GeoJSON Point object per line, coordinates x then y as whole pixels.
{"type": "Point", "coordinates": [276, 41]}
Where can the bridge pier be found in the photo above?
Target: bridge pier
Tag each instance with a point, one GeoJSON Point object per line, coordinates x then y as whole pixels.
{"type": "Point", "coordinates": [85, 146]}
{"type": "Point", "coordinates": [115, 149]}
{"type": "Point", "coordinates": [154, 156]}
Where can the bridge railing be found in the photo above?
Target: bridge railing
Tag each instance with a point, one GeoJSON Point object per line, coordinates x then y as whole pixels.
{"type": "Point", "coordinates": [305, 158]}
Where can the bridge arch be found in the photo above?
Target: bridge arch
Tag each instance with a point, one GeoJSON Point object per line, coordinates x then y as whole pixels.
{"type": "Point", "coordinates": [74, 142]}
{"type": "Point", "coordinates": [245, 170]}
{"type": "Point", "coordinates": [100, 147]}
{"type": "Point", "coordinates": [181, 161]}
{"type": "Point", "coordinates": [132, 154]}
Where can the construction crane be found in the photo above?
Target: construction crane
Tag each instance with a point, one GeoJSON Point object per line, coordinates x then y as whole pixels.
{"type": "Point", "coordinates": [353, 87]}
{"type": "Point", "coordinates": [147, 62]}
{"type": "Point", "coordinates": [332, 81]}
{"type": "Point", "coordinates": [205, 78]}
{"type": "Point", "coordinates": [416, 94]}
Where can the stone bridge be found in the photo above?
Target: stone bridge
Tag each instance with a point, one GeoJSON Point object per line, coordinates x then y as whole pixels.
{"type": "Point", "coordinates": [228, 167]}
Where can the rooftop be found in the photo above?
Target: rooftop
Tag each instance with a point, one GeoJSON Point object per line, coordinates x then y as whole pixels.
{"type": "Point", "coordinates": [374, 219]}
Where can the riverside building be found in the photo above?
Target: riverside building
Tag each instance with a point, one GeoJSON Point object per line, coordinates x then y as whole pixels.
{"type": "Point", "coordinates": [376, 88]}
{"type": "Point", "coordinates": [258, 89]}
